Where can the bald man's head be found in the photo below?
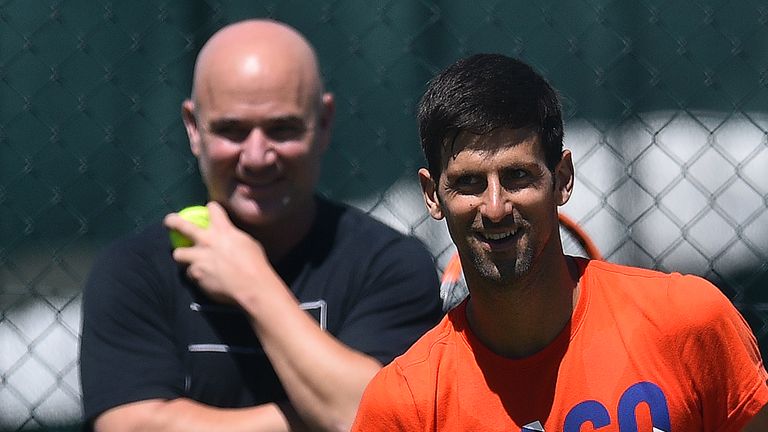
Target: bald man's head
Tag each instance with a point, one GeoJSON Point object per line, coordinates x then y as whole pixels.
{"type": "Point", "coordinates": [255, 47]}
{"type": "Point", "coordinates": [258, 122]}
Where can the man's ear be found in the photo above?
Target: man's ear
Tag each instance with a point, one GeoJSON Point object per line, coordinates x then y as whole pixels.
{"type": "Point", "coordinates": [429, 190]}
{"type": "Point", "coordinates": [564, 177]}
{"type": "Point", "coordinates": [325, 122]}
{"type": "Point", "coordinates": [191, 126]}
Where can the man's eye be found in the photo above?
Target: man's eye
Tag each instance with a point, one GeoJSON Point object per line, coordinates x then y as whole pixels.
{"type": "Point", "coordinates": [233, 133]}
{"type": "Point", "coordinates": [287, 132]}
{"type": "Point", "coordinates": [467, 181]}
{"type": "Point", "coordinates": [516, 179]}
{"type": "Point", "coordinates": [467, 184]}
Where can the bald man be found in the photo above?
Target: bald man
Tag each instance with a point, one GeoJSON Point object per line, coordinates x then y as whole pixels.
{"type": "Point", "coordinates": [286, 306]}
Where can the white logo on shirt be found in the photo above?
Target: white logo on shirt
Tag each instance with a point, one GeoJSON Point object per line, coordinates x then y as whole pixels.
{"type": "Point", "coordinates": [533, 427]}
{"type": "Point", "coordinates": [318, 309]}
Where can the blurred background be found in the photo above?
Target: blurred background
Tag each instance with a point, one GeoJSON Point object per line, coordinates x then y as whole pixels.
{"type": "Point", "coordinates": [665, 103]}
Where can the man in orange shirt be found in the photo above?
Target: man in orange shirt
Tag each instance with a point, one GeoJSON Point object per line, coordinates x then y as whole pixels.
{"type": "Point", "coordinates": [546, 341]}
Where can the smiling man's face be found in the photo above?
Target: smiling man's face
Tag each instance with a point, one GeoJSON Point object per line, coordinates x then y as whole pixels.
{"type": "Point", "coordinates": [500, 202]}
{"type": "Point", "coordinates": [259, 123]}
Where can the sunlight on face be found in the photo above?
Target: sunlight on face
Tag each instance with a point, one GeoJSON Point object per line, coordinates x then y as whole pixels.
{"type": "Point", "coordinates": [497, 196]}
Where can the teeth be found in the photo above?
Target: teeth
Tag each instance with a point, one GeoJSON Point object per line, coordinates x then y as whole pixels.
{"type": "Point", "coordinates": [499, 236]}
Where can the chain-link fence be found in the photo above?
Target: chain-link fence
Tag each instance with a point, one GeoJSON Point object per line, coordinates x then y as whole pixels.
{"type": "Point", "coordinates": [666, 107]}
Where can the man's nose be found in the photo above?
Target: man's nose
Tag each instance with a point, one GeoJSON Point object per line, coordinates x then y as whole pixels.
{"type": "Point", "coordinates": [496, 203]}
{"type": "Point", "coordinates": [257, 150]}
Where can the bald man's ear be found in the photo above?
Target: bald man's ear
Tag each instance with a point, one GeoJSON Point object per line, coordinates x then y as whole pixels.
{"type": "Point", "coordinates": [190, 124]}
{"type": "Point", "coordinates": [325, 122]}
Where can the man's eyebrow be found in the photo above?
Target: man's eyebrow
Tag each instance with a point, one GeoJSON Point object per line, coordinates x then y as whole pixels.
{"type": "Point", "coordinates": [235, 121]}
{"type": "Point", "coordinates": [226, 122]}
{"type": "Point", "coordinates": [290, 118]}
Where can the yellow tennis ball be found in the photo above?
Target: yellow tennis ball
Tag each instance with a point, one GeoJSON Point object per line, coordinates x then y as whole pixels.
{"type": "Point", "coordinates": [199, 216]}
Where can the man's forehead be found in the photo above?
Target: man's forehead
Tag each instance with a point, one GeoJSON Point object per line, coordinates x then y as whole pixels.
{"type": "Point", "coordinates": [283, 71]}
{"type": "Point", "coordinates": [255, 100]}
{"type": "Point", "coordinates": [255, 81]}
{"type": "Point", "coordinates": [495, 140]}
{"type": "Point", "coordinates": [267, 114]}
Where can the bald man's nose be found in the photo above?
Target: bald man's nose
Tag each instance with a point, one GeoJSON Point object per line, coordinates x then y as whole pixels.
{"type": "Point", "coordinates": [257, 149]}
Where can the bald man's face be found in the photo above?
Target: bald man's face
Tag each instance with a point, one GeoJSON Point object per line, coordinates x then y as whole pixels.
{"type": "Point", "coordinates": [259, 131]}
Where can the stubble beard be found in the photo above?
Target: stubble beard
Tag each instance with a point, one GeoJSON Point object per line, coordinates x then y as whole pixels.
{"type": "Point", "coordinates": [506, 271]}
{"type": "Point", "coordinates": [503, 272]}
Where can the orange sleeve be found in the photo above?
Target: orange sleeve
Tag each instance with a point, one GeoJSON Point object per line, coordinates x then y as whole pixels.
{"type": "Point", "coordinates": [387, 404]}
{"type": "Point", "coordinates": [726, 366]}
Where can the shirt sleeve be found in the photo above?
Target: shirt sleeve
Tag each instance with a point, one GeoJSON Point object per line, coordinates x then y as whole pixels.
{"type": "Point", "coordinates": [387, 404]}
{"type": "Point", "coordinates": [399, 302]}
{"type": "Point", "coordinates": [127, 351]}
{"type": "Point", "coordinates": [726, 368]}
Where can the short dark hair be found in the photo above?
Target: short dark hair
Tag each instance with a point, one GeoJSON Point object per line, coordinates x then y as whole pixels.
{"type": "Point", "coordinates": [484, 92]}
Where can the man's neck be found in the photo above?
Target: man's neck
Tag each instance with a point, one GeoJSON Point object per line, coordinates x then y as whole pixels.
{"type": "Point", "coordinates": [521, 320]}
{"type": "Point", "coordinates": [280, 238]}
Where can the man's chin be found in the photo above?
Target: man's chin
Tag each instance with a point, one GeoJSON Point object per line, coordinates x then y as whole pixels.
{"type": "Point", "coordinates": [502, 271]}
{"type": "Point", "coordinates": [257, 214]}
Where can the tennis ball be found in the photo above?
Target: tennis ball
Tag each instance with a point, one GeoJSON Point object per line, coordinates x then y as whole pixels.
{"type": "Point", "coordinates": [199, 216]}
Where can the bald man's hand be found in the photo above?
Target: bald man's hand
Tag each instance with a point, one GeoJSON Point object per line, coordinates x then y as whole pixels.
{"type": "Point", "coordinates": [211, 261]}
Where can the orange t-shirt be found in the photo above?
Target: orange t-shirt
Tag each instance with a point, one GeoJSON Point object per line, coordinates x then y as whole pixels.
{"type": "Point", "coordinates": [643, 350]}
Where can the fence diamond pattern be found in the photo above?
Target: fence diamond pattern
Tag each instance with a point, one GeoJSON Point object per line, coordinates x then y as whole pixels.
{"type": "Point", "coordinates": [666, 109]}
